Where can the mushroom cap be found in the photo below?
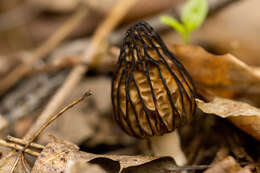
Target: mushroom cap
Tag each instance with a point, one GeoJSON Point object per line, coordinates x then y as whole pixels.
{"type": "Point", "coordinates": [152, 93]}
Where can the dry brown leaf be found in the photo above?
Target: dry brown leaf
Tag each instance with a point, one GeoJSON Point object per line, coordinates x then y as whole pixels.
{"type": "Point", "coordinates": [7, 163]}
{"type": "Point", "coordinates": [57, 154]}
{"type": "Point", "coordinates": [228, 165]}
{"type": "Point", "coordinates": [243, 115]}
{"type": "Point", "coordinates": [54, 156]}
{"type": "Point", "coordinates": [83, 167]}
{"type": "Point", "coordinates": [223, 75]}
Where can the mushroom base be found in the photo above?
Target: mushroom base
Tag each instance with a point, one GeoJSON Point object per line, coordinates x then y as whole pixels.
{"type": "Point", "coordinates": [168, 145]}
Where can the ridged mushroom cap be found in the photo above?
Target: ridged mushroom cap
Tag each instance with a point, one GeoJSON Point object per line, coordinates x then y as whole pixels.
{"type": "Point", "coordinates": [152, 93]}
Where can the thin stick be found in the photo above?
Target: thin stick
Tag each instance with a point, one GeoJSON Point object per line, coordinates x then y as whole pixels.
{"type": "Point", "coordinates": [23, 142]}
{"type": "Point", "coordinates": [44, 126]}
{"type": "Point", "coordinates": [44, 48]}
{"type": "Point", "coordinates": [77, 73]}
{"type": "Point", "coordinates": [18, 147]}
{"type": "Point", "coordinates": [72, 62]}
{"type": "Point", "coordinates": [188, 168]}
{"type": "Point", "coordinates": [66, 63]}
{"type": "Point", "coordinates": [200, 167]}
{"type": "Point", "coordinates": [53, 118]}
{"type": "Point", "coordinates": [16, 162]}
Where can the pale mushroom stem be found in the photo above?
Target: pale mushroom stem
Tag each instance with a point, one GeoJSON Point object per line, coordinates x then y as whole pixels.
{"type": "Point", "coordinates": [168, 145]}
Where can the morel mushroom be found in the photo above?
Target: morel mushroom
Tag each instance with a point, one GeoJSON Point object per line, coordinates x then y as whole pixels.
{"type": "Point", "coordinates": [152, 93]}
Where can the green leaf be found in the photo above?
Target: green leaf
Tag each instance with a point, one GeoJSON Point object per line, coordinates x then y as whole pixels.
{"type": "Point", "coordinates": [172, 22]}
{"type": "Point", "coordinates": [194, 13]}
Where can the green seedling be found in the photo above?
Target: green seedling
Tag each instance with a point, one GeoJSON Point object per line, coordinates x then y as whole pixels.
{"type": "Point", "coordinates": [193, 14]}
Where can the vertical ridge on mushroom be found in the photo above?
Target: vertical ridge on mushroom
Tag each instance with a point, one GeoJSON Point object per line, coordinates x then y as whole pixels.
{"type": "Point", "coordinates": [152, 93]}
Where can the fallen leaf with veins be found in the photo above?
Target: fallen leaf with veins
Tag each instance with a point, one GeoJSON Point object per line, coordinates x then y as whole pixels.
{"type": "Point", "coordinates": [243, 115]}
{"type": "Point", "coordinates": [57, 154]}
{"type": "Point", "coordinates": [7, 163]}
{"type": "Point", "coordinates": [224, 75]}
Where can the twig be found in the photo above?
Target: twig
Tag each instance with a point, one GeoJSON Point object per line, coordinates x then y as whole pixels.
{"type": "Point", "coordinates": [46, 47]}
{"type": "Point", "coordinates": [75, 61]}
{"type": "Point", "coordinates": [187, 168]}
{"type": "Point", "coordinates": [66, 63]}
{"type": "Point", "coordinates": [16, 162]}
{"type": "Point", "coordinates": [77, 73]}
{"type": "Point", "coordinates": [23, 142]}
{"type": "Point", "coordinates": [44, 126]}
{"type": "Point", "coordinates": [18, 147]}
{"type": "Point", "coordinates": [53, 118]}
{"type": "Point", "coordinates": [199, 167]}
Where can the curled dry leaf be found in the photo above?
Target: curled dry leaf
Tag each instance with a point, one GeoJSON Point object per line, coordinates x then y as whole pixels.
{"type": "Point", "coordinates": [57, 154]}
{"type": "Point", "coordinates": [228, 165]}
{"type": "Point", "coordinates": [7, 163]}
{"type": "Point", "coordinates": [243, 115]}
{"type": "Point", "coordinates": [223, 75]}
